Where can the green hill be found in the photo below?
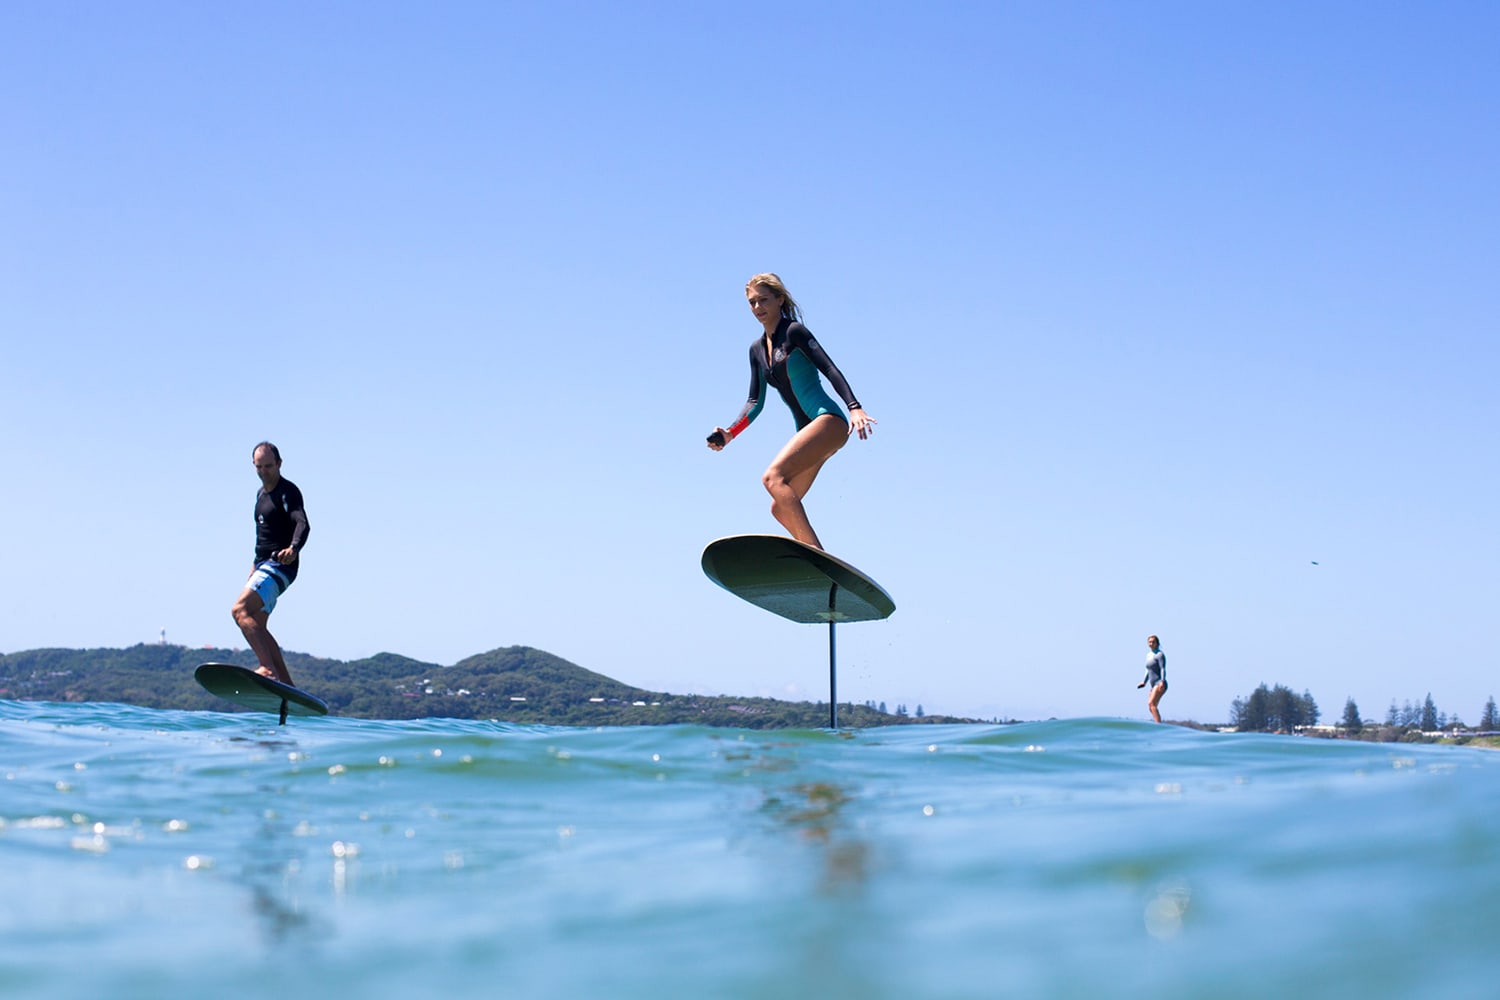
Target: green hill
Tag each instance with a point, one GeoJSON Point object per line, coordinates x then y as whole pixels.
{"type": "Point", "coordinates": [515, 684]}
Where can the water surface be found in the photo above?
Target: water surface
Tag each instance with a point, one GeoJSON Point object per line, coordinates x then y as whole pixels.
{"type": "Point", "coordinates": [151, 853]}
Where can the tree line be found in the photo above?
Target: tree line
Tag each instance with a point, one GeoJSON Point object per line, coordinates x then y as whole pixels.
{"type": "Point", "coordinates": [1273, 710]}
{"type": "Point", "coordinates": [1279, 709]}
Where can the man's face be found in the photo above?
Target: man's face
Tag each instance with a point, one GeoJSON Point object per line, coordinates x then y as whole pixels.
{"type": "Point", "coordinates": [267, 467]}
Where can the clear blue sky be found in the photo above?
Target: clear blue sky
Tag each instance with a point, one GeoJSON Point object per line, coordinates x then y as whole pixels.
{"type": "Point", "coordinates": [1156, 304]}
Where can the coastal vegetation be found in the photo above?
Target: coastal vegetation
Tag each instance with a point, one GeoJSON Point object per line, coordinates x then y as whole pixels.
{"type": "Point", "coordinates": [1280, 710]}
{"type": "Point", "coordinates": [523, 685]}
{"type": "Point", "coordinates": [1270, 710]}
{"type": "Point", "coordinates": [514, 684]}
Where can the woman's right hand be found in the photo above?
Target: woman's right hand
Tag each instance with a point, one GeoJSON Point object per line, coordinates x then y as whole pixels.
{"type": "Point", "coordinates": [718, 439]}
{"type": "Point", "coordinates": [861, 423]}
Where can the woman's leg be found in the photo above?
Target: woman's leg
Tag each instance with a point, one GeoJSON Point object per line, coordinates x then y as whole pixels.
{"type": "Point", "coordinates": [1151, 703]}
{"type": "Point", "coordinates": [793, 470]}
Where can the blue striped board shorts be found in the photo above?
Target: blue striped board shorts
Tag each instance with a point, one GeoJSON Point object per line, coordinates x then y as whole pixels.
{"type": "Point", "coordinates": [270, 582]}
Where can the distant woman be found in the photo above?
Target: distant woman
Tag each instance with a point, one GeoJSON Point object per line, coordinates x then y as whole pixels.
{"type": "Point", "coordinates": [1156, 675]}
{"type": "Point", "coordinates": [786, 356]}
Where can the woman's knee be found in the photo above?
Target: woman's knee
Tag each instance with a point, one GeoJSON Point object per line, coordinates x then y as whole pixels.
{"type": "Point", "coordinates": [778, 496]}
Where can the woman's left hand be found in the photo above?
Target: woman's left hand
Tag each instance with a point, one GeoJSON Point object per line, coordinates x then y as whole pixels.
{"type": "Point", "coordinates": [861, 423]}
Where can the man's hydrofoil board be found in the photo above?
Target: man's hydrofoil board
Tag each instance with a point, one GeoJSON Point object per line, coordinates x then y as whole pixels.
{"type": "Point", "coordinates": [244, 686]}
{"type": "Point", "coordinates": [794, 580]}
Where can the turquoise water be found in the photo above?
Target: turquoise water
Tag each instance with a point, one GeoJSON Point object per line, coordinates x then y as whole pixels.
{"type": "Point", "coordinates": [150, 854]}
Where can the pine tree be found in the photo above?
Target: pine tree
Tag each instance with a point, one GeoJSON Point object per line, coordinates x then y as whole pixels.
{"type": "Point", "coordinates": [1286, 712]}
{"type": "Point", "coordinates": [1258, 710]}
{"type": "Point", "coordinates": [1490, 720]}
{"type": "Point", "coordinates": [1310, 713]}
{"type": "Point", "coordinates": [1237, 710]}
{"type": "Point", "coordinates": [1352, 722]}
{"type": "Point", "coordinates": [1429, 715]}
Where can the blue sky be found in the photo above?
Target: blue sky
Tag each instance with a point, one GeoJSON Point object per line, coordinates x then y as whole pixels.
{"type": "Point", "coordinates": [1157, 304]}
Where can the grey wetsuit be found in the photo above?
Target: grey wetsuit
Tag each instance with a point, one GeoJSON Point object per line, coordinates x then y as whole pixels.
{"type": "Point", "coordinates": [1156, 669]}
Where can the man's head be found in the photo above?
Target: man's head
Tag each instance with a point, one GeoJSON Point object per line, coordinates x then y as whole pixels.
{"type": "Point", "coordinates": [267, 464]}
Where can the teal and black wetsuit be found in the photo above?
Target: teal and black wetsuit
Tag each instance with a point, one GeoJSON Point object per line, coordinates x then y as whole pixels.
{"type": "Point", "coordinates": [793, 367]}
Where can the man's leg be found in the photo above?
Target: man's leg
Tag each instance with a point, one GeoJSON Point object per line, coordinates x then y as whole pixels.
{"type": "Point", "coordinates": [251, 616]}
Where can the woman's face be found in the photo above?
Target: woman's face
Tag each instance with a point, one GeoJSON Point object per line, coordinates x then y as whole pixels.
{"type": "Point", "coordinates": [1151, 643]}
{"type": "Point", "coordinates": [765, 304]}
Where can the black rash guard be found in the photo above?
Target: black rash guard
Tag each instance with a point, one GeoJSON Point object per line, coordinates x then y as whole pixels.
{"type": "Point", "coordinates": [280, 520]}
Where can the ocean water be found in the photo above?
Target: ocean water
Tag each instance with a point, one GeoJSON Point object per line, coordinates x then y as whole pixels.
{"type": "Point", "coordinates": [152, 854]}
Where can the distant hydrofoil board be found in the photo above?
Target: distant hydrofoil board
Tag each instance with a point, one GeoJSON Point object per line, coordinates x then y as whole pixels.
{"type": "Point", "coordinates": [246, 687]}
{"type": "Point", "coordinates": [793, 580]}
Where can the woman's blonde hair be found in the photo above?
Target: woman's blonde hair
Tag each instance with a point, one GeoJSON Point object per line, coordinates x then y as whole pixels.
{"type": "Point", "coordinates": [773, 283]}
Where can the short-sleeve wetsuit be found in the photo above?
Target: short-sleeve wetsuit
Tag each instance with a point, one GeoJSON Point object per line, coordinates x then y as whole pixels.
{"type": "Point", "coordinates": [796, 359]}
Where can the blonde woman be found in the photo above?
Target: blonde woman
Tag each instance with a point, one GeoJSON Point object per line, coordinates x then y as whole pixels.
{"type": "Point", "coordinates": [1156, 675]}
{"type": "Point", "coordinates": [788, 358]}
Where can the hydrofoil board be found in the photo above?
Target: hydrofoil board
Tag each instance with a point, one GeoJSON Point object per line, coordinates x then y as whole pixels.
{"type": "Point", "coordinates": [793, 580]}
{"type": "Point", "coordinates": [244, 686]}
